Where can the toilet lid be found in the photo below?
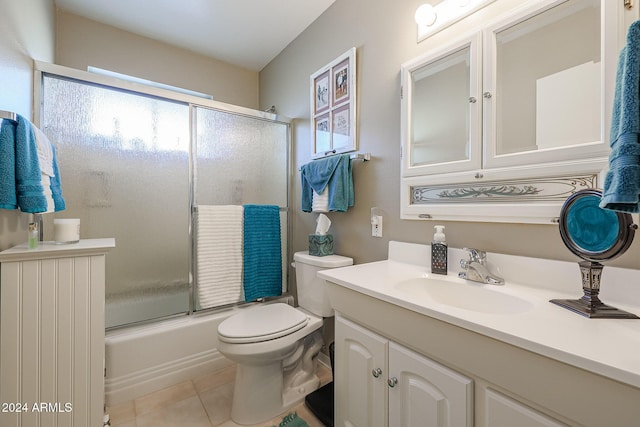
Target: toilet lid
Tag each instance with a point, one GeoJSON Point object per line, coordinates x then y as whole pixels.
{"type": "Point", "coordinates": [257, 324]}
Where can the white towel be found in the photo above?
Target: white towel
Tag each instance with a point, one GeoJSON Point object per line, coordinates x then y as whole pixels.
{"type": "Point", "coordinates": [45, 153]}
{"type": "Point", "coordinates": [219, 255]}
{"type": "Point", "coordinates": [320, 202]}
{"type": "Point", "coordinates": [45, 158]}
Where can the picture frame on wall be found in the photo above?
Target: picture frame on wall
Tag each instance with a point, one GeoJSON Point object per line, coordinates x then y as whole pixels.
{"type": "Point", "coordinates": [322, 133]}
{"type": "Point", "coordinates": [321, 93]}
{"type": "Point", "coordinates": [333, 107]}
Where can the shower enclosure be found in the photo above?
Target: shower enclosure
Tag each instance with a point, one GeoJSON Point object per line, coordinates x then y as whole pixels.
{"type": "Point", "coordinates": [135, 163]}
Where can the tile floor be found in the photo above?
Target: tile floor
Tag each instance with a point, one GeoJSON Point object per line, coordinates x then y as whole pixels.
{"type": "Point", "coordinates": [204, 401]}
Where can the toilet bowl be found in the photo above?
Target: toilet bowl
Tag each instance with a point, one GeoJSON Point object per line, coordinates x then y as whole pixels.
{"type": "Point", "coordinates": [275, 345]}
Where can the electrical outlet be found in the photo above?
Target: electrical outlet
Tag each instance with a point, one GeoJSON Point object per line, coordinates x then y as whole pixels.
{"type": "Point", "coordinates": [376, 226]}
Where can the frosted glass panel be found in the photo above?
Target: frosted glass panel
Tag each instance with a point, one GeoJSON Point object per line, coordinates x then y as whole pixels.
{"type": "Point", "coordinates": [124, 165]}
{"type": "Point", "coordinates": [240, 160]}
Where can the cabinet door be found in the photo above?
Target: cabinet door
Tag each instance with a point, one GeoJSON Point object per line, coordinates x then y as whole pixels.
{"type": "Point", "coordinates": [441, 110]}
{"type": "Point", "coordinates": [548, 81]}
{"type": "Point", "coordinates": [360, 376]}
{"type": "Point", "coordinates": [502, 411]}
{"type": "Point", "coordinates": [427, 393]}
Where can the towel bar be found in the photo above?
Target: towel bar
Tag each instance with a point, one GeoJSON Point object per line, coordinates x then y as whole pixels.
{"type": "Point", "coordinates": [361, 156]}
{"type": "Point", "coordinates": [9, 115]}
{"type": "Point", "coordinates": [365, 157]}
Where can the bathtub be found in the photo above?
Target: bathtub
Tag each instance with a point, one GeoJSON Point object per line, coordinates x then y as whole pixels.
{"type": "Point", "coordinates": [147, 358]}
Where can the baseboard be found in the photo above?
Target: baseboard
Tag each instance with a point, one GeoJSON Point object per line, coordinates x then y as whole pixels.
{"type": "Point", "coordinates": [324, 359]}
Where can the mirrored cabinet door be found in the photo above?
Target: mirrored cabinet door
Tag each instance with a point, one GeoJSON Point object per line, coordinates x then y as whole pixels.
{"type": "Point", "coordinates": [543, 82]}
{"type": "Point", "coordinates": [441, 110]}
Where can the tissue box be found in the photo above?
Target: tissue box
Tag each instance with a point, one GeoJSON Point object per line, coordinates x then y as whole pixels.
{"type": "Point", "coordinates": [320, 245]}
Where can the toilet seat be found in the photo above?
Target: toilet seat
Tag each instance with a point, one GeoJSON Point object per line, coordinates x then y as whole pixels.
{"type": "Point", "coordinates": [263, 323]}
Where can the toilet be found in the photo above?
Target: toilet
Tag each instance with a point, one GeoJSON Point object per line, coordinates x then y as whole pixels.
{"type": "Point", "coordinates": [275, 345]}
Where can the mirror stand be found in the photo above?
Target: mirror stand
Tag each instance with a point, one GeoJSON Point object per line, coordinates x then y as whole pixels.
{"type": "Point", "coordinates": [590, 305]}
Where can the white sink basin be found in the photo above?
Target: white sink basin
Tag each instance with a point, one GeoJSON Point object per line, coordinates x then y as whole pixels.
{"type": "Point", "coordinates": [466, 295]}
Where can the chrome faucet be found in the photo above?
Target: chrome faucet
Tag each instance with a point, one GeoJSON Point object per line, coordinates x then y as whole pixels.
{"type": "Point", "coordinates": [475, 268]}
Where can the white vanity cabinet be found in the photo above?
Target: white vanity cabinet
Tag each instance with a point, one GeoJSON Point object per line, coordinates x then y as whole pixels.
{"type": "Point", "coordinates": [503, 411]}
{"type": "Point", "coordinates": [381, 383]}
{"type": "Point", "coordinates": [509, 120]}
{"type": "Point", "coordinates": [511, 386]}
{"type": "Point", "coordinates": [52, 334]}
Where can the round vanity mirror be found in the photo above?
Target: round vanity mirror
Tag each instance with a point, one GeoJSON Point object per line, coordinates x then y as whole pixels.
{"type": "Point", "coordinates": [594, 234]}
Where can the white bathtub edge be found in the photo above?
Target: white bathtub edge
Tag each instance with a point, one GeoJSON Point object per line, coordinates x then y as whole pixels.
{"type": "Point", "coordinates": [143, 359]}
{"type": "Point", "coordinates": [129, 387]}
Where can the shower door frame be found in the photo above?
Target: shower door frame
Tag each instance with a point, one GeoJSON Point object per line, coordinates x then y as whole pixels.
{"type": "Point", "coordinates": [43, 68]}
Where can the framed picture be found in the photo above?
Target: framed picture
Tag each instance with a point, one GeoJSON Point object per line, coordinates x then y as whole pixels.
{"type": "Point", "coordinates": [321, 93]}
{"type": "Point", "coordinates": [333, 106]}
{"type": "Point", "coordinates": [322, 133]}
{"type": "Point", "coordinates": [340, 130]}
{"type": "Point", "coordinates": [341, 82]}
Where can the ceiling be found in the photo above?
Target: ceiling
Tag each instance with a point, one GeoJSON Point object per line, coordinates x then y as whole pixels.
{"type": "Point", "coordinates": [246, 33]}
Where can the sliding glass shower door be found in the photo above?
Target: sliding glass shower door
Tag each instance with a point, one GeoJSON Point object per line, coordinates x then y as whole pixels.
{"type": "Point", "coordinates": [124, 162]}
{"type": "Point", "coordinates": [136, 165]}
{"type": "Point", "coordinates": [241, 160]}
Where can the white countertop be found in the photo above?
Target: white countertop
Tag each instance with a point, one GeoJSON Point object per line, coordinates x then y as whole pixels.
{"type": "Point", "coordinates": [55, 250]}
{"type": "Point", "coordinates": [609, 347]}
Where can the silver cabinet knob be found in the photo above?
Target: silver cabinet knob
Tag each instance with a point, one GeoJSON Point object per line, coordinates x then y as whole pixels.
{"type": "Point", "coordinates": [376, 372]}
{"type": "Point", "coordinates": [472, 100]}
{"type": "Point", "coordinates": [487, 95]}
{"type": "Point", "coordinates": [392, 382]}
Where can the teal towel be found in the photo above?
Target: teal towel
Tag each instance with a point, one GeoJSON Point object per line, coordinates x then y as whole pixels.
{"type": "Point", "coordinates": [262, 252]}
{"type": "Point", "coordinates": [8, 198]}
{"type": "Point", "coordinates": [622, 183]}
{"type": "Point", "coordinates": [333, 173]}
{"type": "Point", "coordinates": [56, 185]}
{"type": "Point", "coordinates": [28, 176]}
{"type": "Point", "coordinates": [29, 188]}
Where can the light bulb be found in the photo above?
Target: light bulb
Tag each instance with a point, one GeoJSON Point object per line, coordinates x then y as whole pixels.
{"type": "Point", "coordinates": [425, 15]}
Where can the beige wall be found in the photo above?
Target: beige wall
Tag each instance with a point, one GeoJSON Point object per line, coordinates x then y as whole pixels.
{"type": "Point", "coordinates": [81, 42]}
{"type": "Point", "coordinates": [26, 33]}
{"type": "Point", "coordinates": [385, 37]}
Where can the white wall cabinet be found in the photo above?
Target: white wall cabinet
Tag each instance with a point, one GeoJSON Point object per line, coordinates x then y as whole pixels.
{"type": "Point", "coordinates": [52, 334]}
{"type": "Point", "coordinates": [381, 383]}
{"type": "Point", "coordinates": [510, 119]}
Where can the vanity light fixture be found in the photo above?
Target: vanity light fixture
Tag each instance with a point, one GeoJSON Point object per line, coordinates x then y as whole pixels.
{"type": "Point", "coordinates": [431, 19]}
{"type": "Point", "coordinates": [426, 15]}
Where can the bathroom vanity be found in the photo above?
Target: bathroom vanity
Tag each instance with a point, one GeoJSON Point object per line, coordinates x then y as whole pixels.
{"type": "Point", "coordinates": [52, 334]}
{"type": "Point", "coordinates": [445, 351]}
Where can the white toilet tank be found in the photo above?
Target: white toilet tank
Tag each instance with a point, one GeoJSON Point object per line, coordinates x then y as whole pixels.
{"type": "Point", "coordinates": [312, 295]}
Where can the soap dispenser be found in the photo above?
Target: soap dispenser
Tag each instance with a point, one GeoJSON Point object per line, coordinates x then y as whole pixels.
{"type": "Point", "coordinates": [439, 251]}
